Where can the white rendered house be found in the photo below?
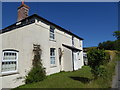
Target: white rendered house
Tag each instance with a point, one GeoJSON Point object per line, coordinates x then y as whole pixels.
{"type": "Point", "coordinates": [17, 48]}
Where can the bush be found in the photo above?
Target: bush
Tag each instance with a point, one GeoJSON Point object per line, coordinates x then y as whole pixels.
{"type": "Point", "coordinates": [117, 44]}
{"type": "Point", "coordinates": [99, 72]}
{"type": "Point", "coordinates": [96, 58]}
{"type": "Point", "coordinates": [37, 73]}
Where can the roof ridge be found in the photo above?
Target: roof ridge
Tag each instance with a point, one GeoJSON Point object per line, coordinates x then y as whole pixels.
{"type": "Point", "coordinates": [41, 18]}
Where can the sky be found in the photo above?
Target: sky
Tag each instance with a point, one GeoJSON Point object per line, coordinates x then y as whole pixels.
{"type": "Point", "coordinates": [95, 22]}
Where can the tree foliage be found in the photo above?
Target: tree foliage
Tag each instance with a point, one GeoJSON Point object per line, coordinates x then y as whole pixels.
{"type": "Point", "coordinates": [117, 34]}
{"type": "Point", "coordinates": [111, 45]}
{"type": "Point", "coordinates": [108, 45]}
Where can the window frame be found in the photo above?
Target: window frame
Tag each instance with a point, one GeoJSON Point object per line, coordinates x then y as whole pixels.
{"type": "Point", "coordinates": [52, 33]}
{"type": "Point", "coordinates": [53, 56]}
{"type": "Point", "coordinates": [16, 60]}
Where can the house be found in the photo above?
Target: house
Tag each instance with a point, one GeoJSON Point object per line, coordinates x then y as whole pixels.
{"type": "Point", "coordinates": [85, 59]}
{"type": "Point", "coordinates": [17, 48]}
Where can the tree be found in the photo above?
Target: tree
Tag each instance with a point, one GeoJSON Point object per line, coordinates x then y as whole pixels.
{"type": "Point", "coordinates": [108, 45]}
{"type": "Point", "coordinates": [117, 34]}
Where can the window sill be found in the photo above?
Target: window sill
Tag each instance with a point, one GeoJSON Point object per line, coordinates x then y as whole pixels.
{"type": "Point", "coordinates": [52, 40]}
{"type": "Point", "coordinates": [53, 66]}
{"type": "Point", "coordinates": [9, 73]}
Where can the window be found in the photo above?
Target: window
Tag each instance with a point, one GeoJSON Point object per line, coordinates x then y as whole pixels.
{"type": "Point", "coordinates": [9, 61]}
{"type": "Point", "coordinates": [80, 43]}
{"type": "Point", "coordinates": [72, 41]}
{"type": "Point", "coordinates": [52, 55]}
{"type": "Point", "coordinates": [52, 33]}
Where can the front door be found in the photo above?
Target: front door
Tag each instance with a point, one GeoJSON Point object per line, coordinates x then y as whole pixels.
{"type": "Point", "coordinates": [75, 60]}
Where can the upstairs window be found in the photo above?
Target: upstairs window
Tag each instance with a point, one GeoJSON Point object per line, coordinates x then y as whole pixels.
{"type": "Point", "coordinates": [72, 41]}
{"type": "Point", "coordinates": [52, 33]}
{"type": "Point", "coordinates": [9, 61]}
{"type": "Point", "coordinates": [52, 56]}
{"type": "Point", "coordinates": [80, 43]}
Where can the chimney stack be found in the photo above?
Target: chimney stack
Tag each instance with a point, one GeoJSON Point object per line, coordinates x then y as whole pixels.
{"type": "Point", "coordinates": [22, 11]}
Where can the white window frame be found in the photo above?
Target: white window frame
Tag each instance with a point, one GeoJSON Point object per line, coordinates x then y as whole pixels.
{"type": "Point", "coordinates": [16, 60]}
{"type": "Point", "coordinates": [53, 56]}
{"type": "Point", "coordinates": [52, 33]}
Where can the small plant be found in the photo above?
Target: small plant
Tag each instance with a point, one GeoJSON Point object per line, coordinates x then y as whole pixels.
{"type": "Point", "coordinates": [37, 73]}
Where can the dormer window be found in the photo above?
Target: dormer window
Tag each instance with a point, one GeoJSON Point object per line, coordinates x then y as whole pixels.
{"type": "Point", "coordinates": [52, 33]}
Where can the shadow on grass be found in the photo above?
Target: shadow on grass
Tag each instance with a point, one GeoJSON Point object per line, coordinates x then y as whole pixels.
{"type": "Point", "coordinates": [82, 79]}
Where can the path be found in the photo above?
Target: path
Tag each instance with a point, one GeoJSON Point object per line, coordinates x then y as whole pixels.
{"type": "Point", "coordinates": [116, 78]}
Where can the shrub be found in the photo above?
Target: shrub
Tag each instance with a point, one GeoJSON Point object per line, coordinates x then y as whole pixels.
{"type": "Point", "coordinates": [37, 73]}
{"type": "Point", "coordinates": [99, 72]}
{"type": "Point", "coordinates": [96, 58]}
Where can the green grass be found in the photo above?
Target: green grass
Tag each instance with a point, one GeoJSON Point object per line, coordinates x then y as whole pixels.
{"type": "Point", "coordinates": [64, 80]}
{"type": "Point", "coordinates": [77, 79]}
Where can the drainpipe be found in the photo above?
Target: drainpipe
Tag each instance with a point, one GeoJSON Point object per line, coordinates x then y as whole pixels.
{"type": "Point", "coordinates": [73, 53]}
{"type": "Point", "coordinates": [73, 60]}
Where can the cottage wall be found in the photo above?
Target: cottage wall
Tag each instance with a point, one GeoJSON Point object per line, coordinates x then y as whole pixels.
{"type": "Point", "coordinates": [22, 39]}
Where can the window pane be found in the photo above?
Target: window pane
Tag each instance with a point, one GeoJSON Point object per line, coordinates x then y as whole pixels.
{"type": "Point", "coordinates": [9, 56]}
{"type": "Point", "coordinates": [52, 60]}
{"type": "Point", "coordinates": [8, 66]}
{"type": "Point", "coordinates": [52, 36]}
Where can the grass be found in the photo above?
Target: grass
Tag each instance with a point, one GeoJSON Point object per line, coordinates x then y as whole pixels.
{"type": "Point", "coordinates": [74, 79]}
{"type": "Point", "coordinates": [77, 79]}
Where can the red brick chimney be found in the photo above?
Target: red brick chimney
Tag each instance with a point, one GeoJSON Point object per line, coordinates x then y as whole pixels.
{"type": "Point", "coordinates": [22, 11]}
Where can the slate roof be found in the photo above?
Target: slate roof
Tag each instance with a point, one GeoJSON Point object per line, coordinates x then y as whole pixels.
{"type": "Point", "coordinates": [30, 20]}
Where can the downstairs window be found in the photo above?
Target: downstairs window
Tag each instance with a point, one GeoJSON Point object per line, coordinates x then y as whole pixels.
{"type": "Point", "coordinates": [9, 61]}
{"type": "Point", "coordinates": [52, 56]}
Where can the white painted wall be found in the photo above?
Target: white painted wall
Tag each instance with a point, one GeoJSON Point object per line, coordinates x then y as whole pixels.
{"type": "Point", "coordinates": [68, 63]}
{"type": "Point", "coordinates": [0, 61]}
{"type": "Point", "coordinates": [22, 39]}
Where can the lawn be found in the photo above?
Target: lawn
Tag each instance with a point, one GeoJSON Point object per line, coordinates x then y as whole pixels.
{"type": "Point", "coordinates": [77, 79]}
